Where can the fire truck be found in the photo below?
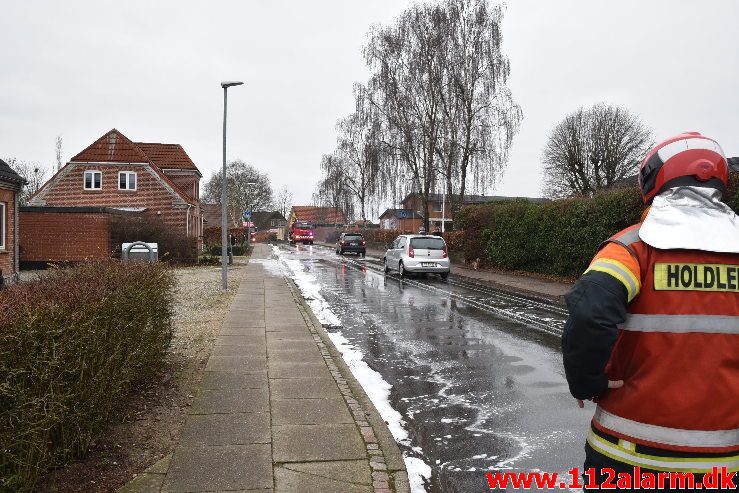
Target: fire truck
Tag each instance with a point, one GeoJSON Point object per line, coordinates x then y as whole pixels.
{"type": "Point", "coordinates": [301, 232]}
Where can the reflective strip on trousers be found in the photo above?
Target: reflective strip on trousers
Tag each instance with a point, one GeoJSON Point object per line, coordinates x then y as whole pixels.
{"type": "Point", "coordinates": [709, 324]}
{"type": "Point", "coordinates": [667, 436]}
{"type": "Point", "coordinates": [625, 452]}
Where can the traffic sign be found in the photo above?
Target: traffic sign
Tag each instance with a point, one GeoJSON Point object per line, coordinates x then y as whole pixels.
{"type": "Point", "coordinates": [247, 215]}
{"type": "Point", "coordinates": [247, 224]}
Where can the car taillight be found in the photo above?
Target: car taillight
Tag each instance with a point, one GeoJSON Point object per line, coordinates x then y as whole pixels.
{"type": "Point", "coordinates": [444, 253]}
{"type": "Point", "coordinates": [411, 253]}
{"type": "Point", "coordinates": [342, 242]}
{"type": "Point", "coordinates": [364, 242]}
{"type": "Point", "coordinates": [310, 233]}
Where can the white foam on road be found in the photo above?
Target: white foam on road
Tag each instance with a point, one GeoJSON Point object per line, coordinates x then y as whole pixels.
{"type": "Point", "coordinates": [376, 388]}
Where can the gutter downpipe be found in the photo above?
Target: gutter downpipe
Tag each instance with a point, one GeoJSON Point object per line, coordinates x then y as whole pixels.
{"type": "Point", "coordinates": [16, 236]}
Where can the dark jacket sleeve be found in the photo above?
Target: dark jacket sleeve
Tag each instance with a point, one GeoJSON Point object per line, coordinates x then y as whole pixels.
{"type": "Point", "coordinates": [597, 304]}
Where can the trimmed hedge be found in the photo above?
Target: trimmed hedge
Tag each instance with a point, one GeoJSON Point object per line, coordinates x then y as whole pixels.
{"type": "Point", "coordinates": [71, 347]}
{"type": "Point", "coordinates": [557, 238]}
{"type": "Point", "coordinates": [173, 245]}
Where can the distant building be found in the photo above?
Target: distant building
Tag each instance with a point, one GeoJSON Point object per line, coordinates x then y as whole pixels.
{"type": "Point", "coordinates": [316, 215]}
{"type": "Point", "coordinates": [211, 215]}
{"type": "Point", "coordinates": [401, 220]}
{"type": "Point", "coordinates": [438, 214]}
{"type": "Point", "coordinates": [11, 184]}
{"type": "Point", "coordinates": [268, 221]}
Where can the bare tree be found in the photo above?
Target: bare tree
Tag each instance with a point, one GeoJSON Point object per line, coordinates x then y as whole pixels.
{"type": "Point", "coordinates": [284, 201]}
{"type": "Point", "coordinates": [34, 174]}
{"type": "Point", "coordinates": [447, 118]}
{"type": "Point", "coordinates": [58, 148]}
{"type": "Point", "coordinates": [591, 149]}
{"type": "Point", "coordinates": [357, 156]}
{"type": "Point", "coordinates": [332, 191]}
{"type": "Point", "coordinates": [248, 189]}
{"type": "Point", "coordinates": [480, 115]}
{"type": "Point", "coordinates": [406, 89]}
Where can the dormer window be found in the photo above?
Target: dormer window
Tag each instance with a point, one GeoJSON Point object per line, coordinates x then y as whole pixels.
{"type": "Point", "coordinates": [93, 180]}
{"type": "Point", "coordinates": [127, 180]}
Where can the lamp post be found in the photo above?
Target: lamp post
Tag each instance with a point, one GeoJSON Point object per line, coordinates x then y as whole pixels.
{"type": "Point", "coordinates": [224, 191]}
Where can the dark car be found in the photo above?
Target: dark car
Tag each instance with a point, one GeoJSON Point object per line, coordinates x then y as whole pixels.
{"type": "Point", "coordinates": [351, 242]}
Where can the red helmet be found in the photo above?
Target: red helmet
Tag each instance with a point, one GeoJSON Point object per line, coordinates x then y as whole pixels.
{"type": "Point", "coordinates": [685, 159]}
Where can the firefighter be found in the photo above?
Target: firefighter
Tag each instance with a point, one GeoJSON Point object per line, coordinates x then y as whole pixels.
{"type": "Point", "coordinates": [653, 330]}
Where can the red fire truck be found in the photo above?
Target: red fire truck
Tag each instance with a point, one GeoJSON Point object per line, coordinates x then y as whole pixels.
{"type": "Point", "coordinates": [300, 232]}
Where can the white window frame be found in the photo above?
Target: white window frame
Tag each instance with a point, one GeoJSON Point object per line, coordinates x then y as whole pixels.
{"type": "Point", "coordinates": [3, 224]}
{"type": "Point", "coordinates": [92, 182]}
{"type": "Point", "coordinates": [128, 181]}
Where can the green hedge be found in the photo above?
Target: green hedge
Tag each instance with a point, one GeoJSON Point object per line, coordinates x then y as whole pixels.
{"type": "Point", "coordinates": [557, 238]}
{"type": "Point", "coordinates": [71, 347]}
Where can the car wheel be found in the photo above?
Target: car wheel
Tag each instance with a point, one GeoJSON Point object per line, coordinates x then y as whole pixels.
{"type": "Point", "coordinates": [386, 269]}
{"type": "Point", "coordinates": [445, 275]}
{"type": "Point", "coordinates": [401, 269]}
{"type": "Point", "coordinates": [310, 242]}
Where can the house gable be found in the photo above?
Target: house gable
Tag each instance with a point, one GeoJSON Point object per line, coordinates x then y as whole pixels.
{"type": "Point", "coordinates": [113, 152]}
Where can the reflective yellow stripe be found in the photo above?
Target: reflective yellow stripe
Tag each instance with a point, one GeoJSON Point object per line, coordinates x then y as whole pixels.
{"type": "Point", "coordinates": [656, 463]}
{"type": "Point", "coordinates": [620, 272]}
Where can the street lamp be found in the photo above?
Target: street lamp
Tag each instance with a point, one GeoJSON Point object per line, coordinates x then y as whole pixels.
{"type": "Point", "coordinates": [224, 192]}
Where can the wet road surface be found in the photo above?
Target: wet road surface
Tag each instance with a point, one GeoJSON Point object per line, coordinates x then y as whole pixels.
{"type": "Point", "coordinates": [476, 373]}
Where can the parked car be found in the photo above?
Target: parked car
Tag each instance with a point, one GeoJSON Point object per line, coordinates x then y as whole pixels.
{"type": "Point", "coordinates": [418, 253]}
{"type": "Point", "coordinates": [351, 242]}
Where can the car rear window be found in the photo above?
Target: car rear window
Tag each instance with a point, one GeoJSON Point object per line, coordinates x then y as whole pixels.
{"type": "Point", "coordinates": [353, 237]}
{"type": "Point", "coordinates": [428, 243]}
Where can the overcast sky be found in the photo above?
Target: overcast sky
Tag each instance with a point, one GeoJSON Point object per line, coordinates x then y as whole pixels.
{"type": "Point", "coordinates": [152, 70]}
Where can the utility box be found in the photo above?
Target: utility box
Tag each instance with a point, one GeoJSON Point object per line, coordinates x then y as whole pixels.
{"type": "Point", "coordinates": [140, 251]}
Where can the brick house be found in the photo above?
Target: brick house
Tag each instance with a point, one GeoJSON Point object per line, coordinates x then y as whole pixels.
{"type": "Point", "coordinates": [117, 174]}
{"type": "Point", "coordinates": [401, 220]}
{"type": "Point", "coordinates": [10, 186]}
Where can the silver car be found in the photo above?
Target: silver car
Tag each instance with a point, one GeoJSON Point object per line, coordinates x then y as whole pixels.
{"type": "Point", "coordinates": [418, 253]}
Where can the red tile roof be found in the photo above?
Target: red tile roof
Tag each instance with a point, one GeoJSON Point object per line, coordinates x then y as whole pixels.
{"type": "Point", "coordinates": [167, 156]}
{"type": "Point", "coordinates": [319, 215]}
{"type": "Point", "coordinates": [113, 147]}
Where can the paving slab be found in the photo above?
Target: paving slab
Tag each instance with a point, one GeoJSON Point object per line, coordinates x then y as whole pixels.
{"type": "Point", "coordinates": [293, 355]}
{"type": "Point", "coordinates": [293, 388]}
{"type": "Point", "coordinates": [240, 340]}
{"type": "Point", "coordinates": [248, 350]}
{"type": "Point", "coordinates": [228, 467]}
{"type": "Point", "coordinates": [231, 401]}
{"type": "Point", "coordinates": [218, 380]}
{"type": "Point", "coordinates": [307, 443]}
{"type": "Point", "coordinates": [237, 330]}
{"type": "Point", "coordinates": [310, 411]}
{"type": "Point", "coordinates": [241, 363]}
{"type": "Point", "coordinates": [227, 429]}
{"type": "Point", "coordinates": [291, 481]}
{"type": "Point", "coordinates": [280, 369]}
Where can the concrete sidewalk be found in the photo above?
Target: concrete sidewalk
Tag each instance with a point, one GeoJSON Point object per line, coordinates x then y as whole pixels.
{"type": "Point", "coordinates": [278, 410]}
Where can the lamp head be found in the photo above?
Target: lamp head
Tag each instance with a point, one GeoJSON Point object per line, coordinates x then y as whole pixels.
{"type": "Point", "coordinates": [230, 83]}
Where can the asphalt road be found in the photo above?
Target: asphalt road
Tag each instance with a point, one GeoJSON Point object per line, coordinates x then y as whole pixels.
{"type": "Point", "coordinates": [476, 373]}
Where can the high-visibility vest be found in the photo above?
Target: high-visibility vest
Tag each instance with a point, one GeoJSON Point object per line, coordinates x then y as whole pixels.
{"type": "Point", "coordinates": [678, 355]}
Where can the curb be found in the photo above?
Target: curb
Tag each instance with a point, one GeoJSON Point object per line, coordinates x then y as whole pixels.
{"type": "Point", "coordinates": [386, 460]}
